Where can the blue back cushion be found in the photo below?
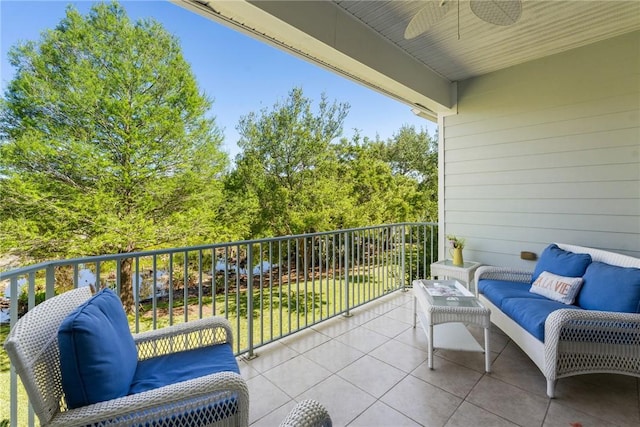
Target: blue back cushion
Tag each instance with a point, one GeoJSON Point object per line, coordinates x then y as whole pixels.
{"type": "Point", "coordinates": [98, 356]}
{"type": "Point", "coordinates": [610, 288]}
{"type": "Point", "coordinates": [182, 366]}
{"type": "Point", "coordinates": [561, 262]}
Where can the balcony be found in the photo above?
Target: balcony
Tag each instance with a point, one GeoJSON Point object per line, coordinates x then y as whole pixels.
{"type": "Point", "coordinates": [370, 369]}
{"type": "Point", "coordinates": [331, 320]}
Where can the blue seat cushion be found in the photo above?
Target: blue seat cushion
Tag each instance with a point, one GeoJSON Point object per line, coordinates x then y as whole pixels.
{"type": "Point", "coordinates": [497, 291]}
{"type": "Point", "coordinates": [610, 288]}
{"type": "Point", "coordinates": [98, 356]}
{"type": "Point", "coordinates": [531, 314]}
{"type": "Point", "coordinates": [182, 366]}
{"type": "Point", "coordinates": [561, 262]}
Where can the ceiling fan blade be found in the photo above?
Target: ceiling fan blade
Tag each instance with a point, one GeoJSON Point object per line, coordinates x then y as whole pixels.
{"type": "Point", "coordinates": [497, 12]}
{"type": "Point", "coordinates": [431, 13]}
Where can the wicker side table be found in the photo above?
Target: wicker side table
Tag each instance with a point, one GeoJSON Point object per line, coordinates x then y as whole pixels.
{"type": "Point", "coordinates": [445, 269]}
{"type": "Point", "coordinates": [454, 335]}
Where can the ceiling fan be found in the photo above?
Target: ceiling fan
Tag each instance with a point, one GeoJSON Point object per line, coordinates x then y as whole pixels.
{"type": "Point", "coordinates": [497, 12]}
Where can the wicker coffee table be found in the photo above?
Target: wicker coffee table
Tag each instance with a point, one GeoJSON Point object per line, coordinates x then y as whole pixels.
{"type": "Point", "coordinates": [443, 317]}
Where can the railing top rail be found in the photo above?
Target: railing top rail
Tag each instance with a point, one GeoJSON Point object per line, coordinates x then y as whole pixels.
{"type": "Point", "coordinates": [114, 257]}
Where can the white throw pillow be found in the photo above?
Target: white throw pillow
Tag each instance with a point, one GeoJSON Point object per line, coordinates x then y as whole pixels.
{"type": "Point", "coordinates": [558, 288]}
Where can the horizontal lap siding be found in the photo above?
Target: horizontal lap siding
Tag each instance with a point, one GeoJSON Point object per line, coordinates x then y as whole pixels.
{"type": "Point", "coordinates": [547, 151]}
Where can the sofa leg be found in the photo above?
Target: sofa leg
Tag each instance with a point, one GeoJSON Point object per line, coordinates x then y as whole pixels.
{"type": "Point", "coordinates": [551, 384]}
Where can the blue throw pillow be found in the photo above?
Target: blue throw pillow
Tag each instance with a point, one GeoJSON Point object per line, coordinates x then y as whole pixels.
{"type": "Point", "coordinates": [608, 287]}
{"type": "Point", "coordinates": [98, 356]}
{"type": "Point", "coordinates": [561, 262]}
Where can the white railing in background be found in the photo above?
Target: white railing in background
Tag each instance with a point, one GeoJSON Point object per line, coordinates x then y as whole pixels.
{"type": "Point", "coordinates": [295, 281]}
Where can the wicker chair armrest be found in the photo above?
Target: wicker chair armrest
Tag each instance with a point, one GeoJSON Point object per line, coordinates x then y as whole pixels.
{"type": "Point", "coordinates": [157, 407]}
{"type": "Point", "coordinates": [587, 325]}
{"type": "Point", "coordinates": [570, 333]}
{"type": "Point", "coordinates": [307, 413]}
{"type": "Point", "coordinates": [183, 336]}
{"type": "Point", "coordinates": [502, 273]}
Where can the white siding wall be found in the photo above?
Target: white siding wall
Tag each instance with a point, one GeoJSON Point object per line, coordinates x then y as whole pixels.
{"type": "Point", "coordinates": [547, 151]}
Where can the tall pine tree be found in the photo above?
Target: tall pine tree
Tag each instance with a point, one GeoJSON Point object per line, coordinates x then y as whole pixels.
{"type": "Point", "coordinates": [105, 143]}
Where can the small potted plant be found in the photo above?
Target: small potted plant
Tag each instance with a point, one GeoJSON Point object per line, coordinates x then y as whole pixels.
{"type": "Point", "coordinates": [456, 244]}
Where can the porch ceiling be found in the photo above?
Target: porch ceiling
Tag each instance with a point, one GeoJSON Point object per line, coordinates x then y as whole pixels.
{"type": "Point", "coordinates": [364, 39]}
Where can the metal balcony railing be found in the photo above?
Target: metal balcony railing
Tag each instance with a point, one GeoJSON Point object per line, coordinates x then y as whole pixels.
{"type": "Point", "coordinates": [267, 288]}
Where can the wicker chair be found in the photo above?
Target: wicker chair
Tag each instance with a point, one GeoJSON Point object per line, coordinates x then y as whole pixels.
{"type": "Point", "coordinates": [307, 413]}
{"type": "Point", "coordinates": [220, 399]}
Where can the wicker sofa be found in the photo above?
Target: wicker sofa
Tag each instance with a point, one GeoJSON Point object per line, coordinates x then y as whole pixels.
{"type": "Point", "coordinates": [597, 332]}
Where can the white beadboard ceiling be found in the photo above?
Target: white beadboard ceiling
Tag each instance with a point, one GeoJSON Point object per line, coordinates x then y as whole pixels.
{"type": "Point", "coordinates": [545, 28]}
{"type": "Point", "coordinates": [363, 40]}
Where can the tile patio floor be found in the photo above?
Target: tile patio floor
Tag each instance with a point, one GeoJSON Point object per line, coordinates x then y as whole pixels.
{"type": "Point", "coordinates": [371, 370]}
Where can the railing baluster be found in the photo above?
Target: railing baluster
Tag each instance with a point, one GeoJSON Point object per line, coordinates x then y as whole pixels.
{"type": "Point", "coordinates": [13, 377]}
{"type": "Point", "coordinates": [383, 256]}
{"type": "Point", "coordinates": [271, 289]}
{"type": "Point", "coordinates": [346, 273]}
{"type": "Point", "coordinates": [249, 299]}
{"type": "Point", "coordinates": [49, 283]}
{"type": "Point", "coordinates": [170, 303]}
{"type": "Point", "coordinates": [238, 304]}
{"type": "Point", "coordinates": [118, 277]}
{"type": "Point", "coordinates": [185, 286]}
{"type": "Point", "coordinates": [405, 242]}
{"type": "Point", "coordinates": [280, 283]}
{"type": "Point", "coordinates": [154, 294]}
{"type": "Point", "coordinates": [200, 290]}
{"type": "Point", "coordinates": [260, 290]}
{"type": "Point", "coordinates": [75, 276]}
{"type": "Point", "coordinates": [214, 284]}
{"type": "Point", "coordinates": [136, 281]}
{"type": "Point", "coordinates": [97, 285]}
{"type": "Point", "coordinates": [226, 285]}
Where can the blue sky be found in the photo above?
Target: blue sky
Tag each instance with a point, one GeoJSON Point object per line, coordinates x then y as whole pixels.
{"type": "Point", "coordinates": [238, 72]}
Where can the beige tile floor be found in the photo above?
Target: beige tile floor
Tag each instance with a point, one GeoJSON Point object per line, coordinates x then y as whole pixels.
{"type": "Point", "coordinates": [371, 370]}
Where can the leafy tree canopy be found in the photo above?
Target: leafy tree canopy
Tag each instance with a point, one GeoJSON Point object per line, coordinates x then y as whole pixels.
{"type": "Point", "coordinates": [288, 167]}
{"type": "Point", "coordinates": [300, 178]}
{"type": "Point", "coordinates": [106, 146]}
{"type": "Point", "coordinates": [391, 181]}
{"type": "Point", "coordinates": [413, 153]}
{"type": "Point", "coordinates": [105, 143]}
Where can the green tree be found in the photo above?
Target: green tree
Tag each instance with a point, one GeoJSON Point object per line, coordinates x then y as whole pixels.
{"type": "Point", "coordinates": [413, 154]}
{"type": "Point", "coordinates": [287, 165]}
{"type": "Point", "coordinates": [379, 194]}
{"type": "Point", "coordinates": [106, 146]}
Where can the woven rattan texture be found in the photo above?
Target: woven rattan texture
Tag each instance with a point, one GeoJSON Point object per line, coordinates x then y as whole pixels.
{"type": "Point", "coordinates": [587, 341]}
{"type": "Point", "coordinates": [502, 273]}
{"type": "Point", "coordinates": [474, 315]}
{"type": "Point", "coordinates": [32, 347]}
{"type": "Point", "coordinates": [307, 413]}
{"type": "Point", "coordinates": [183, 336]}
